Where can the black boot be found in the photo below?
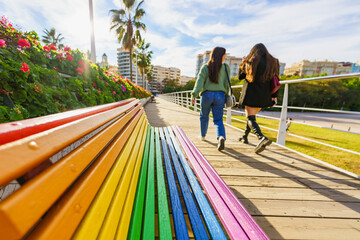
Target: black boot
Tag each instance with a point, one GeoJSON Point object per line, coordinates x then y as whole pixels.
{"type": "Point", "coordinates": [264, 141]}
{"type": "Point", "coordinates": [244, 138]}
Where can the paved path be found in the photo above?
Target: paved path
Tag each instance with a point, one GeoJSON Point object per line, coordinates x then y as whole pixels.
{"type": "Point", "coordinates": [290, 196]}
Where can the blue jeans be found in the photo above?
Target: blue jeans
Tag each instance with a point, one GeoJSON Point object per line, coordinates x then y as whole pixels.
{"type": "Point", "coordinates": [214, 101]}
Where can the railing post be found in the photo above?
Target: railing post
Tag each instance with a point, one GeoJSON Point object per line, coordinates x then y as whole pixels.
{"type": "Point", "coordinates": [188, 100]}
{"type": "Point", "coordinates": [282, 125]}
{"type": "Point", "coordinates": [228, 116]}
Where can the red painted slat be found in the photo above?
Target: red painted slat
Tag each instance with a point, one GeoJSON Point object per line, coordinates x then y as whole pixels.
{"type": "Point", "coordinates": [16, 130]}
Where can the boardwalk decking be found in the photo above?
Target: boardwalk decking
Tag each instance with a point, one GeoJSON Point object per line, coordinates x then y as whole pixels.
{"type": "Point", "coordinates": [290, 196]}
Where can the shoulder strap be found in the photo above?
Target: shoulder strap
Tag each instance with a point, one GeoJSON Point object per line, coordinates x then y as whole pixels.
{"type": "Point", "coordinates": [227, 74]}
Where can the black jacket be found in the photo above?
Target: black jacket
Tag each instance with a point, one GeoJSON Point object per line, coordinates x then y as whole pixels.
{"type": "Point", "coordinates": [256, 93]}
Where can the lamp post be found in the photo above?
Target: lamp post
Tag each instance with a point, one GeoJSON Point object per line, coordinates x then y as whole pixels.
{"type": "Point", "coordinates": [92, 34]}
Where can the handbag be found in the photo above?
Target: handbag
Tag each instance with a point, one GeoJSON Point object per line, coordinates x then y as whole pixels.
{"type": "Point", "coordinates": [230, 100]}
{"type": "Point", "coordinates": [274, 84]}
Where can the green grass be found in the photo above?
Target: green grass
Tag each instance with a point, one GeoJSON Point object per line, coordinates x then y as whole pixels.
{"type": "Point", "coordinates": [344, 160]}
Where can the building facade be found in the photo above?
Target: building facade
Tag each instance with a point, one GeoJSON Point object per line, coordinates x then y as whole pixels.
{"type": "Point", "coordinates": [104, 63]}
{"type": "Point", "coordinates": [233, 62]}
{"type": "Point", "coordinates": [184, 80]}
{"type": "Point", "coordinates": [355, 67]}
{"type": "Point", "coordinates": [161, 73]}
{"type": "Point", "coordinates": [307, 68]}
{"type": "Point", "coordinates": [123, 60]}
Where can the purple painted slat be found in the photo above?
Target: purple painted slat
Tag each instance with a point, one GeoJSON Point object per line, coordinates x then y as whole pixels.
{"type": "Point", "coordinates": [227, 218]}
{"type": "Point", "coordinates": [249, 225]}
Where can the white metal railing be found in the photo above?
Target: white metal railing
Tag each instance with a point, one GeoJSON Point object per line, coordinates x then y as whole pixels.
{"type": "Point", "coordinates": [184, 99]}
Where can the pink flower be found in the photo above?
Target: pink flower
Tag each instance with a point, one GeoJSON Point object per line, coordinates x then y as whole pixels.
{"type": "Point", "coordinates": [123, 88]}
{"type": "Point", "coordinates": [99, 91]}
{"type": "Point", "coordinates": [81, 64]}
{"type": "Point", "coordinates": [80, 70]}
{"type": "Point", "coordinates": [2, 43]}
{"type": "Point", "coordinates": [132, 92]}
{"type": "Point", "coordinates": [66, 49]}
{"type": "Point", "coordinates": [52, 47]}
{"type": "Point", "coordinates": [69, 57]}
{"type": "Point", "coordinates": [113, 92]}
{"type": "Point", "coordinates": [25, 68]}
{"type": "Point", "coordinates": [46, 48]}
{"type": "Point", "coordinates": [23, 43]}
{"type": "Point", "coordinates": [94, 84]}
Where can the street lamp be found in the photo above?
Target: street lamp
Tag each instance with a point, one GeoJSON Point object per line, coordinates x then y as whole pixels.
{"type": "Point", "coordinates": [92, 34]}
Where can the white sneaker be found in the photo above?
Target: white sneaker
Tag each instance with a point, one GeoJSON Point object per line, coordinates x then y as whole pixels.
{"type": "Point", "coordinates": [201, 138]}
{"type": "Point", "coordinates": [221, 143]}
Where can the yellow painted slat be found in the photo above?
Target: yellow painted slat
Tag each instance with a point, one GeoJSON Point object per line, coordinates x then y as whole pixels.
{"type": "Point", "coordinates": [123, 227]}
{"type": "Point", "coordinates": [92, 222]}
{"type": "Point", "coordinates": [62, 220]}
{"type": "Point", "coordinates": [20, 211]}
{"type": "Point", "coordinates": [115, 210]}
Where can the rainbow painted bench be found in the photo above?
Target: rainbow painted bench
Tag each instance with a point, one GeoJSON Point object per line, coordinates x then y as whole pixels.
{"type": "Point", "coordinates": [104, 173]}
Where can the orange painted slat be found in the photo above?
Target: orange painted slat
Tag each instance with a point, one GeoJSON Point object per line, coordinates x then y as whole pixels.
{"type": "Point", "coordinates": [20, 211]}
{"type": "Point", "coordinates": [16, 130]}
{"type": "Point", "coordinates": [64, 217]}
{"type": "Point", "coordinates": [39, 147]}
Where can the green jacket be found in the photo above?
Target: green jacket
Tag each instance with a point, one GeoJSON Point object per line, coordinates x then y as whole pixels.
{"type": "Point", "coordinates": [203, 82]}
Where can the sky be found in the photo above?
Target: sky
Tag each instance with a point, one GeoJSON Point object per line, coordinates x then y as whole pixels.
{"type": "Point", "coordinates": [178, 30]}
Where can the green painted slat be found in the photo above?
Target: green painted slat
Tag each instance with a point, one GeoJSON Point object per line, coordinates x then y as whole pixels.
{"type": "Point", "coordinates": [163, 209]}
{"type": "Point", "coordinates": [138, 209]}
{"type": "Point", "coordinates": [149, 217]}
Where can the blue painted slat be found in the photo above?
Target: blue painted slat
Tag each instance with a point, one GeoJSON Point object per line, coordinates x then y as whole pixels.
{"type": "Point", "coordinates": [210, 219]}
{"type": "Point", "coordinates": [178, 215]}
{"type": "Point", "coordinates": [194, 215]}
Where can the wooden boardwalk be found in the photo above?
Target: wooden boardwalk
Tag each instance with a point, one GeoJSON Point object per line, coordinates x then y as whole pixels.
{"type": "Point", "coordinates": [290, 196]}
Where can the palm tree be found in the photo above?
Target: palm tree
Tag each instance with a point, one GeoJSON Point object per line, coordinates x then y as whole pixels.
{"type": "Point", "coordinates": [143, 60]}
{"type": "Point", "coordinates": [50, 37]}
{"type": "Point", "coordinates": [125, 21]}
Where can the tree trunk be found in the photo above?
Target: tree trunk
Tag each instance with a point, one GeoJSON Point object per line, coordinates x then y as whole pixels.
{"type": "Point", "coordinates": [143, 81]}
{"type": "Point", "coordinates": [131, 64]}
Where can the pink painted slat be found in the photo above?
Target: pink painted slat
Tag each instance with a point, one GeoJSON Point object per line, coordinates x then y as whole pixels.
{"type": "Point", "coordinates": [230, 223]}
{"type": "Point", "coordinates": [16, 130]}
{"type": "Point", "coordinates": [252, 229]}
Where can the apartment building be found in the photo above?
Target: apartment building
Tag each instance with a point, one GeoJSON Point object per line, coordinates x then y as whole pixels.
{"type": "Point", "coordinates": [307, 68]}
{"type": "Point", "coordinates": [233, 62]}
{"type": "Point", "coordinates": [104, 63]}
{"type": "Point", "coordinates": [123, 60]}
{"type": "Point", "coordinates": [184, 80]}
{"type": "Point", "coordinates": [161, 73]}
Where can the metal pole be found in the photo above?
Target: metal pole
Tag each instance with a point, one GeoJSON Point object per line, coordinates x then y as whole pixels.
{"type": "Point", "coordinates": [92, 34]}
{"type": "Point", "coordinates": [228, 116]}
{"type": "Point", "coordinates": [136, 80]}
{"type": "Point", "coordinates": [282, 125]}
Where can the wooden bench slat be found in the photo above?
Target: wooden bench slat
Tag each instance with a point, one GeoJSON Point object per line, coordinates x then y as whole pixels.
{"type": "Point", "coordinates": [245, 220]}
{"type": "Point", "coordinates": [92, 222]}
{"type": "Point", "coordinates": [163, 209]}
{"type": "Point", "coordinates": [178, 214]}
{"type": "Point", "coordinates": [64, 217]}
{"type": "Point", "coordinates": [138, 210]}
{"type": "Point", "coordinates": [233, 228]}
{"type": "Point", "coordinates": [122, 230]}
{"type": "Point", "coordinates": [116, 208]}
{"type": "Point", "coordinates": [20, 211]}
{"type": "Point", "coordinates": [194, 215]}
{"type": "Point", "coordinates": [210, 219]}
{"type": "Point", "coordinates": [39, 147]}
{"type": "Point", "coordinates": [16, 130]}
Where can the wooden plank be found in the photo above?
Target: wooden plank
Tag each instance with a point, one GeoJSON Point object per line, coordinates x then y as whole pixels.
{"type": "Point", "coordinates": [122, 229]}
{"type": "Point", "coordinates": [20, 211]}
{"type": "Point", "coordinates": [39, 147]}
{"type": "Point", "coordinates": [13, 131]}
{"type": "Point", "coordinates": [310, 228]}
{"type": "Point", "coordinates": [138, 210]}
{"type": "Point", "coordinates": [149, 215]}
{"type": "Point", "coordinates": [90, 225]}
{"type": "Point", "coordinates": [233, 228]}
{"type": "Point", "coordinates": [125, 189]}
{"type": "Point", "coordinates": [212, 223]}
{"type": "Point", "coordinates": [163, 210]}
{"type": "Point", "coordinates": [64, 217]}
{"type": "Point", "coordinates": [178, 215]}
{"type": "Point", "coordinates": [194, 215]}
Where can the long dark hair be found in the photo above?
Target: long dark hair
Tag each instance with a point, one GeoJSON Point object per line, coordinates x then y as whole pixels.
{"type": "Point", "coordinates": [215, 62]}
{"type": "Point", "coordinates": [251, 62]}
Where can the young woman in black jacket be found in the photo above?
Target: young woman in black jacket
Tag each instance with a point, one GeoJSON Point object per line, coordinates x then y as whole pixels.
{"type": "Point", "coordinates": [258, 69]}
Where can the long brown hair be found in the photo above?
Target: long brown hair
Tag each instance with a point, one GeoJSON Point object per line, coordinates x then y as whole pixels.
{"type": "Point", "coordinates": [251, 62]}
{"type": "Point", "coordinates": [215, 62]}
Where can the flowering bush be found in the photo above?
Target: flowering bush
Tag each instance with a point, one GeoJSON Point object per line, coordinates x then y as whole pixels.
{"type": "Point", "coordinates": [33, 83]}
